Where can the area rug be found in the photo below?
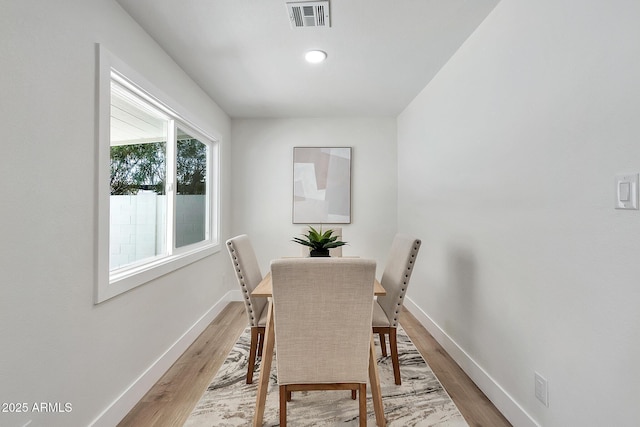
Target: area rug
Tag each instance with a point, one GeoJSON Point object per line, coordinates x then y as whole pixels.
{"type": "Point", "coordinates": [419, 401]}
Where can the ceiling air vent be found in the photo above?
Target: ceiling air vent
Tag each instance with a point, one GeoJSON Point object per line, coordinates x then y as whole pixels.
{"type": "Point", "coordinates": [309, 14]}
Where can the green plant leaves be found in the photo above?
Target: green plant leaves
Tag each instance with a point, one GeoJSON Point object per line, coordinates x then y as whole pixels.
{"type": "Point", "coordinates": [318, 240]}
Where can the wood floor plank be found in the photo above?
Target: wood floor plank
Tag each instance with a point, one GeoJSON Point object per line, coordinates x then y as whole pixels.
{"type": "Point", "coordinates": [475, 407]}
{"type": "Point", "coordinates": [174, 396]}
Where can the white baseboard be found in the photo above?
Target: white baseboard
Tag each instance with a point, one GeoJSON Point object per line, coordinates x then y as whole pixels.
{"type": "Point", "coordinates": [120, 407]}
{"type": "Point", "coordinates": [512, 411]}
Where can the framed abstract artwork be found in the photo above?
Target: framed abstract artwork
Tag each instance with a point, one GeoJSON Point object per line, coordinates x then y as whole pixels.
{"type": "Point", "coordinates": [322, 185]}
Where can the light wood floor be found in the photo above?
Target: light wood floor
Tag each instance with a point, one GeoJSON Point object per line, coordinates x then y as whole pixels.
{"type": "Point", "coordinates": [172, 399]}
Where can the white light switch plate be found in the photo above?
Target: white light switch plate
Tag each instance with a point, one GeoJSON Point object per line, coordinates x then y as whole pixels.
{"type": "Point", "coordinates": [542, 389]}
{"type": "Point", "coordinates": [627, 191]}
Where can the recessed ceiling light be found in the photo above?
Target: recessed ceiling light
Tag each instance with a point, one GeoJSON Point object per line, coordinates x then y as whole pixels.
{"type": "Point", "coordinates": [315, 56]}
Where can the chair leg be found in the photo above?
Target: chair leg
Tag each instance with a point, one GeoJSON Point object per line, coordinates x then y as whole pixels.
{"type": "Point", "coordinates": [284, 394]}
{"type": "Point", "coordinates": [363, 405]}
{"type": "Point", "coordinates": [383, 344]}
{"type": "Point", "coordinates": [355, 388]}
{"type": "Point", "coordinates": [252, 354]}
{"type": "Point", "coordinates": [393, 342]}
{"type": "Point", "coordinates": [260, 340]}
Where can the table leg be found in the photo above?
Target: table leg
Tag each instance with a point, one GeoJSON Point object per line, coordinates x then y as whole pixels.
{"type": "Point", "coordinates": [374, 380]}
{"type": "Point", "coordinates": [265, 368]}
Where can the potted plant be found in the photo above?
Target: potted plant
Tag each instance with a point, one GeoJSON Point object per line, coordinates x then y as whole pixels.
{"type": "Point", "coordinates": [319, 242]}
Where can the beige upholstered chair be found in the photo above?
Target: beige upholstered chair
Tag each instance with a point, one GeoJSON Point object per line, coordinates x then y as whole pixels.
{"type": "Point", "coordinates": [322, 315]}
{"type": "Point", "coordinates": [333, 252]}
{"type": "Point", "coordinates": [245, 265]}
{"type": "Point", "coordinates": [395, 281]}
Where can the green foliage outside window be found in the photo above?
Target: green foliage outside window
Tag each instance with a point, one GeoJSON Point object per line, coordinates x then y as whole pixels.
{"type": "Point", "coordinates": [138, 167]}
{"type": "Point", "coordinates": [192, 167]}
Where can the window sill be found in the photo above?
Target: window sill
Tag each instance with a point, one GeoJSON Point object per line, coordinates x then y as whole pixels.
{"type": "Point", "coordinates": [123, 281]}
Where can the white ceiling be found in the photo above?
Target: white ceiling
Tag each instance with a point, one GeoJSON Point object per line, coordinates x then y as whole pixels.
{"type": "Point", "coordinates": [246, 56]}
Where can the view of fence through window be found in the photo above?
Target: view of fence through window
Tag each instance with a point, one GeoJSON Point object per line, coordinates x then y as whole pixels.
{"type": "Point", "coordinates": [140, 200]}
{"type": "Point", "coordinates": [191, 174]}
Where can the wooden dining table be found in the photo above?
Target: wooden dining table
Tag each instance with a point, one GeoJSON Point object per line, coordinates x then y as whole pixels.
{"type": "Point", "coordinates": [264, 289]}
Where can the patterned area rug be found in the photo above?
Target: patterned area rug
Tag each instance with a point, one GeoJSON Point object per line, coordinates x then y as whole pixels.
{"type": "Point", "coordinates": [419, 401]}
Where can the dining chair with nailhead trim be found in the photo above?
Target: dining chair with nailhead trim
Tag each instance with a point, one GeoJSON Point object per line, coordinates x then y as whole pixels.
{"type": "Point", "coordinates": [395, 281]}
{"type": "Point", "coordinates": [248, 276]}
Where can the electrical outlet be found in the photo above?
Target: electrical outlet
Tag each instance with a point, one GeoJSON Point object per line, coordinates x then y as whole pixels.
{"type": "Point", "coordinates": [542, 389]}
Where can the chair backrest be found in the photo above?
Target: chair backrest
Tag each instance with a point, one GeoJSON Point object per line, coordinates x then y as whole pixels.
{"type": "Point", "coordinates": [248, 275]}
{"type": "Point", "coordinates": [322, 315]}
{"type": "Point", "coordinates": [334, 252]}
{"type": "Point", "coordinates": [396, 275]}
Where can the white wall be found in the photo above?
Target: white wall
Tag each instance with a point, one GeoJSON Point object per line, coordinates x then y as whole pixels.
{"type": "Point", "coordinates": [506, 167]}
{"type": "Point", "coordinates": [56, 345]}
{"type": "Point", "coordinates": [262, 182]}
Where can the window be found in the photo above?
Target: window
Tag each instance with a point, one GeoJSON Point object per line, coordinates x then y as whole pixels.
{"type": "Point", "coordinates": [191, 211]}
{"type": "Point", "coordinates": [157, 185]}
{"type": "Point", "coordinates": [138, 164]}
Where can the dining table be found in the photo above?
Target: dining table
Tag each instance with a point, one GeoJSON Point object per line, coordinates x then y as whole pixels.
{"type": "Point", "coordinates": [264, 289]}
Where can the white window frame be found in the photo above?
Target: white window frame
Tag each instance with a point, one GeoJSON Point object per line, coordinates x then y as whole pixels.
{"type": "Point", "coordinates": [109, 284]}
